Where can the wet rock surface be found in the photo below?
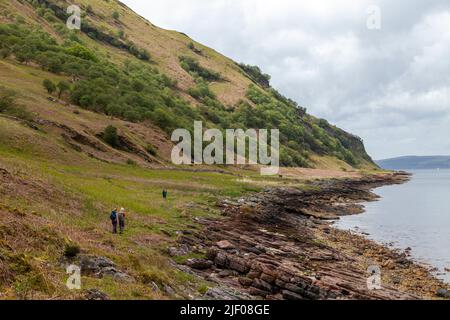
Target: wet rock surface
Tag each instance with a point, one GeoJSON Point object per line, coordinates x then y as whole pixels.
{"type": "Point", "coordinates": [279, 245]}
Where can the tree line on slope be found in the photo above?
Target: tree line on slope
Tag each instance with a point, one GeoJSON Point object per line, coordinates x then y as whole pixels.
{"type": "Point", "coordinates": [136, 91]}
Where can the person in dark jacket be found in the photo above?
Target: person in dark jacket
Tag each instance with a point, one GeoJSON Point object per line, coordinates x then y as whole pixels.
{"type": "Point", "coordinates": [113, 218]}
{"type": "Point", "coordinates": [122, 215]}
{"type": "Point", "coordinates": [165, 193]}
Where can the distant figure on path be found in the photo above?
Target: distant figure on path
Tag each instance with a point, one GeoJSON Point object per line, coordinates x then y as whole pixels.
{"type": "Point", "coordinates": [165, 193]}
{"type": "Point", "coordinates": [113, 218]}
{"type": "Point", "coordinates": [122, 220]}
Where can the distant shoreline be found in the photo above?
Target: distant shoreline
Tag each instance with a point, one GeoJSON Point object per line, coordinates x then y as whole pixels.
{"type": "Point", "coordinates": [415, 163]}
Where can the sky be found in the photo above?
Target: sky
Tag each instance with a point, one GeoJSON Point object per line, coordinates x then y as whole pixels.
{"type": "Point", "coordinates": [384, 77]}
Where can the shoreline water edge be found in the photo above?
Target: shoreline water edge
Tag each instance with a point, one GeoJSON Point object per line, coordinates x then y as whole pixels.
{"type": "Point", "coordinates": [281, 244]}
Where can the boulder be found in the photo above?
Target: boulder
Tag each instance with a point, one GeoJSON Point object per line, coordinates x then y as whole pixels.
{"type": "Point", "coordinates": [261, 284]}
{"type": "Point", "coordinates": [253, 274]}
{"type": "Point", "coordinates": [267, 278]}
{"type": "Point", "coordinates": [289, 295]}
{"type": "Point", "coordinates": [154, 286]}
{"type": "Point", "coordinates": [211, 253]}
{"type": "Point", "coordinates": [238, 264]}
{"type": "Point", "coordinates": [225, 245]}
{"type": "Point", "coordinates": [95, 265]}
{"type": "Point", "coordinates": [221, 259]}
{"type": "Point", "coordinates": [168, 290]}
{"type": "Point", "coordinates": [246, 282]}
{"type": "Point", "coordinates": [258, 292]}
{"type": "Point", "coordinates": [225, 294]}
{"type": "Point", "coordinates": [101, 266]}
{"type": "Point", "coordinates": [443, 293]}
{"type": "Point", "coordinates": [182, 250]}
{"type": "Point", "coordinates": [97, 295]}
{"type": "Point", "coordinates": [199, 264]}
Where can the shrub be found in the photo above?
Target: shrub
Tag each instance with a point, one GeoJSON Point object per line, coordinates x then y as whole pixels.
{"type": "Point", "coordinates": [193, 67]}
{"type": "Point", "coordinates": [49, 86]}
{"type": "Point", "coordinates": [71, 250]}
{"type": "Point", "coordinates": [131, 162]}
{"type": "Point", "coordinates": [9, 106]}
{"type": "Point", "coordinates": [255, 73]}
{"type": "Point", "coordinates": [7, 99]}
{"type": "Point", "coordinates": [151, 150]}
{"type": "Point", "coordinates": [201, 91]}
{"type": "Point", "coordinates": [81, 52]}
{"type": "Point", "coordinates": [111, 137]}
{"type": "Point", "coordinates": [116, 15]}
{"type": "Point", "coordinates": [63, 86]}
{"type": "Point", "coordinates": [4, 53]}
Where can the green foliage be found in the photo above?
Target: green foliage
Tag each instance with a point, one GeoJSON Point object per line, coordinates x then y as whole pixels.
{"type": "Point", "coordinates": [300, 134]}
{"type": "Point", "coordinates": [79, 51]}
{"type": "Point", "coordinates": [194, 69]}
{"type": "Point", "coordinates": [9, 105]}
{"type": "Point", "coordinates": [151, 150]}
{"type": "Point", "coordinates": [111, 137]}
{"type": "Point", "coordinates": [49, 86]}
{"type": "Point", "coordinates": [201, 91]}
{"type": "Point", "coordinates": [62, 86]}
{"type": "Point", "coordinates": [71, 250]}
{"type": "Point", "coordinates": [255, 73]}
{"type": "Point", "coordinates": [7, 99]}
{"type": "Point", "coordinates": [136, 92]}
{"type": "Point", "coordinates": [116, 15]}
{"type": "Point", "coordinates": [131, 162]}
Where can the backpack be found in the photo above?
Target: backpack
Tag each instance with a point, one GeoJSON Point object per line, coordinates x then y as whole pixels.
{"type": "Point", "coordinates": [113, 215]}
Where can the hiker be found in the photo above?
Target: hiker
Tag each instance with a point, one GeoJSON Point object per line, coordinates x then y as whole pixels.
{"type": "Point", "coordinates": [122, 220]}
{"type": "Point", "coordinates": [164, 194]}
{"type": "Point", "coordinates": [113, 218]}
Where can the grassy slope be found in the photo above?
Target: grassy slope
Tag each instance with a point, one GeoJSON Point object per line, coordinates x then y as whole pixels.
{"type": "Point", "coordinates": [165, 48]}
{"type": "Point", "coordinates": [51, 194]}
{"type": "Point", "coordinates": [72, 197]}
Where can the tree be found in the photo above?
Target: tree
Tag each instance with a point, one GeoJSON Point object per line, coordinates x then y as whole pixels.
{"type": "Point", "coordinates": [63, 86]}
{"type": "Point", "coordinates": [4, 53]}
{"type": "Point", "coordinates": [116, 15]}
{"type": "Point", "coordinates": [111, 137]}
{"type": "Point", "coordinates": [49, 86]}
{"type": "Point", "coordinates": [82, 52]}
{"type": "Point", "coordinates": [7, 99]}
{"type": "Point", "coordinates": [23, 55]}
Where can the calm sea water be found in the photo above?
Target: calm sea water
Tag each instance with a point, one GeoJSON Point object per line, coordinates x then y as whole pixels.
{"type": "Point", "coordinates": [415, 214]}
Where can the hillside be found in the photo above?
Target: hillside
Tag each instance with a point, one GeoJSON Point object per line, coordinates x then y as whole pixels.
{"type": "Point", "coordinates": [127, 68]}
{"type": "Point", "coordinates": [85, 123]}
{"type": "Point", "coordinates": [415, 162]}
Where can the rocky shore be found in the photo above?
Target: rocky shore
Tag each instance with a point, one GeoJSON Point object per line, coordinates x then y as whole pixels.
{"type": "Point", "coordinates": [280, 244]}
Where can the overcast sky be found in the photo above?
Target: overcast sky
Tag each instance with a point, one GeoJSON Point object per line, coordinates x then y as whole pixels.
{"type": "Point", "coordinates": [389, 86]}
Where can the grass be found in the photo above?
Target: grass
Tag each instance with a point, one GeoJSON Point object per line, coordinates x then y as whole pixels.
{"type": "Point", "coordinates": [65, 197]}
{"type": "Point", "coordinates": [80, 196]}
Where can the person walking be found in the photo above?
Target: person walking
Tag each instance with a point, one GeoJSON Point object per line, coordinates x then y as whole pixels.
{"type": "Point", "coordinates": [165, 193]}
{"type": "Point", "coordinates": [113, 218]}
{"type": "Point", "coordinates": [122, 215]}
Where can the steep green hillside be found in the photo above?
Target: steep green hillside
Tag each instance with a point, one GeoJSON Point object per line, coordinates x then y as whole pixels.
{"type": "Point", "coordinates": [122, 66]}
{"type": "Point", "coordinates": [85, 121]}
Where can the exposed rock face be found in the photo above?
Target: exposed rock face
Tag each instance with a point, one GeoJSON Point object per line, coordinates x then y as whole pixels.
{"type": "Point", "coordinates": [225, 245]}
{"type": "Point", "coordinates": [270, 242]}
{"type": "Point", "coordinates": [199, 264]}
{"type": "Point", "coordinates": [225, 294]}
{"type": "Point", "coordinates": [100, 267]}
{"type": "Point", "coordinates": [94, 294]}
{"type": "Point", "coordinates": [443, 293]}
